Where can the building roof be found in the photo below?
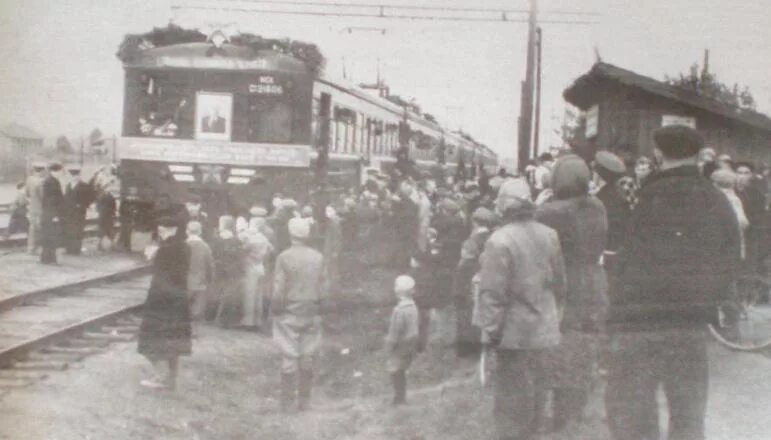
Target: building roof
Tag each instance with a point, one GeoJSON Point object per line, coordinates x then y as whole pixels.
{"type": "Point", "coordinates": [18, 131]}
{"type": "Point", "coordinates": [582, 93]}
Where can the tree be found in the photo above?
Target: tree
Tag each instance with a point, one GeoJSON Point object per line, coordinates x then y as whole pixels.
{"type": "Point", "coordinates": [63, 145]}
{"type": "Point", "coordinates": [706, 84]}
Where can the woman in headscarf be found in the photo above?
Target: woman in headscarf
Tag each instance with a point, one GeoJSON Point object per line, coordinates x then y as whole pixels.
{"type": "Point", "coordinates": [257, 248]}
{"type": "Point", "coordinates": [580, 222]}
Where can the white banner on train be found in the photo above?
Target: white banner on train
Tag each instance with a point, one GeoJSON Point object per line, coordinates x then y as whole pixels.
{"type": "Point", "coordinates": [217, 152]}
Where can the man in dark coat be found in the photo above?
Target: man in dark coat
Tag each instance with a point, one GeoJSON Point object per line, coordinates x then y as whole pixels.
{"type": "Point", "coordinates": [165, 334]}
{"type": "Point", "coordinates": [51, 217]}
{"type": "Point", "coordinates": [754, 205]}
{"type": "Point", "coordinates": [580, 221]}
{"type": "Point", "coordinates": [77, 196]}
{"type": "Point", "coordinates": [406, 216]}
{"type": "Point", "coordinates": [677, 263]}
{"type": "Point", "coordinates": [609, 168]}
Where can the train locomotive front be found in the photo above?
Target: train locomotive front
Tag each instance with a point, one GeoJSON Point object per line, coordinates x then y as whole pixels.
{"type": "Point", "coordinates": [229, 123]}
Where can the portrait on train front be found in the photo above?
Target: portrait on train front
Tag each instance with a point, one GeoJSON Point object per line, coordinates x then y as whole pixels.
{"type": "Point", "coordinates": [213, 115]}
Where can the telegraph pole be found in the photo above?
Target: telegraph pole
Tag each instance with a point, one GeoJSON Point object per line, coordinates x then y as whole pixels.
{"type": "Point", "coordinates": [537, 125]}
{"type": "Point", "coordinates": [528, 89]}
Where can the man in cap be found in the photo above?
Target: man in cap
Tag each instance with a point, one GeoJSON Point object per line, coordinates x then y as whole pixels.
{"type": "Point", "coordinates": [34, 191]}
{"type": "Point", "coordinates": [608, 169]}
{"type": "Point", "coordinates": [522, 281]}
{"type": "Point", "coordinates": [51, 215]}
{"type": "Point", "coordinates": [299, 293]}
{"type": "Point", "coordinates": [77, 196]}
{"type": "Point", "coordinates": [676, 264]}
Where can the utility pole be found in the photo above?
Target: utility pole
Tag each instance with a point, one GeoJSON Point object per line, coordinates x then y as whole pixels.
{"type": "Point", "coordinates": [537, 125]}
{"type": "Point", "coordinates": [526, 98]}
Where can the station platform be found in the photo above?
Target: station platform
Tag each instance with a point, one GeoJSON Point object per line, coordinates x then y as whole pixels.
{"type": "Point", "coordinates": [22, 274]}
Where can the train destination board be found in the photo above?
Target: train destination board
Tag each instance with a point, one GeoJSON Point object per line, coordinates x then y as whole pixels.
{"type": "Point", "coordinates": [232, 153]}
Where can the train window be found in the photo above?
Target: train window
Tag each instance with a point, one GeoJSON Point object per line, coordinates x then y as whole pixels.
{"type": "Point", "coordinates": [270, 119]}
{"type": "Point", "coordinates": [338, 141]}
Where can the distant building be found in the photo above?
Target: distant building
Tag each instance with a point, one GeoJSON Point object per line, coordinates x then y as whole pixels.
{"type": "Point", "coordinates": [622, 109]}
{"type": "Point", "coordinates": [17, 143]}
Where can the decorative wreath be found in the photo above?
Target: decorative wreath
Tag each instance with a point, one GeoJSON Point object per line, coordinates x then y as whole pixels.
{"type": "Point", "coordinates": [133, 44]}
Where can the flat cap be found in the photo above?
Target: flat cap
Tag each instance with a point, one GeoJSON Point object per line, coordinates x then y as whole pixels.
{"type": "Point", "coordinates": [678, 141]}
{"type": "Point", "coordinates": [258, 211]}
{"type": "Point", "coordinates": [484, 216]}
{"type": "Point", "coordinates": [299, 228]}
{"type": "Point", "coordinates": [449, 205]}
{"type": "Point", "coordinates": [55, 167]}
{"type": "Point", "coordinates": [609, 162]}
{"type": "Point", "coordinates": [404, 284]}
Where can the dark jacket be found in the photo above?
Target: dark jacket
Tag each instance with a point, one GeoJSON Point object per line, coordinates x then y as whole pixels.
{"type": "Point", "coordinates": [406, 216]}
{"type": "Point", "coordinates": [51, 218]}
{"type": "Point", "coordinates": [619, 213]}
{"type": "Point", "coordinates": [680, 255]}
{"type": "Point", "coordinates": [165, 328]}
{"type": "Point", "coordinates": [581, 225]}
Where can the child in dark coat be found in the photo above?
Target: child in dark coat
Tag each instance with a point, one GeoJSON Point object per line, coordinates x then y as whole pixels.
{"type": "Point", "coordinates": [402, 340]}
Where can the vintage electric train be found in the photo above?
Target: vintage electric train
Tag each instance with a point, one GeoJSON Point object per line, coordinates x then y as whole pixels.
{"type": "Point", "coordinates": [238, 119]}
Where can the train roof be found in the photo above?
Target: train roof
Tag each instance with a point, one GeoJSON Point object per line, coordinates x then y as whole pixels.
{"type": "Point", "coordinates": [204, 56]}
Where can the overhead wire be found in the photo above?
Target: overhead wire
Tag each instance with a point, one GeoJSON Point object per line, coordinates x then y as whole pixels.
{"type": "Point", "coordinates": [502, 19]}
{"type": "Point", "coordinates": [410, 7]}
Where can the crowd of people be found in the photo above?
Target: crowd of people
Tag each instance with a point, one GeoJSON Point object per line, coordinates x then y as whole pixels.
{"type": "Point", "coordinates": [544, 271]}
{"type": "Point", "coordinates": [50, 206]}
{"type": "Point", "coordinates": [631, 260]}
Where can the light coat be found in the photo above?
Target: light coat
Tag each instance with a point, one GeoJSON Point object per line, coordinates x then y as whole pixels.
{"type": "Point", "coordinates": [522, 278]}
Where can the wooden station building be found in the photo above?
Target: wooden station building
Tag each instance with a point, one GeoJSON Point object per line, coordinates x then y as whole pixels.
{"type": "Point", "coordinates": [622, 109]}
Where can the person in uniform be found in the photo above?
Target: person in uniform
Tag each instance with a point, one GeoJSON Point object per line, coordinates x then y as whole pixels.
{"type": "Point", "coordinates": [165, 332]}
{"type": "Point", "coordinates": [78, 195]}
{"type": "Point", "coordinates": [51, 214]}
{"type": "Point", "coordinates": [299, 294]}
{"type": "Point", "coordinates": [522, 282]}
{"type": "Point", "coordinates": [579, 219]}
{"type": "Point", "coordinates": [34, 191]}
{"type": "Point", "coordinates": [676, 265]}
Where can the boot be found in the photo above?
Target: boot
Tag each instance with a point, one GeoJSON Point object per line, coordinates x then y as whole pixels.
{"type": "Point", "coordinates": [399, 381]}
{"type": "Point", "coordinates": [288, 389]}
{"type": "Point", "coordinates": [304, 389]}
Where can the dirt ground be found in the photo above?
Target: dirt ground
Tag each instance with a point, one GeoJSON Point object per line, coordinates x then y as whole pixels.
{"type": "Point", "coordinates": [228, 389]}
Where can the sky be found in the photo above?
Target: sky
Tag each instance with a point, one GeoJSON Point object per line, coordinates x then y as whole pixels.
{"type": "Point", "coordinates": [60, 74]}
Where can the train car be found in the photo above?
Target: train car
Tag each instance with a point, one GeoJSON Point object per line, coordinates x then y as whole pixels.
{"type": "Point", "coordinates": [236, 119]}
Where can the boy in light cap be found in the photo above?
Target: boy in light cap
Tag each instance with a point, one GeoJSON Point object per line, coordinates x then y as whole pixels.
{"type": "Point", "coordinates": [402, 339]}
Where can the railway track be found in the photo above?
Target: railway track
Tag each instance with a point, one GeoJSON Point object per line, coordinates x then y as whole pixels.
{"type": "Point", "coordinates": [49, 331]}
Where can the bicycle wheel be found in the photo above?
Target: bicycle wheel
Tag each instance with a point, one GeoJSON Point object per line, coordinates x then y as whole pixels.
{"type": "Point", "coordinates": [747, 325]}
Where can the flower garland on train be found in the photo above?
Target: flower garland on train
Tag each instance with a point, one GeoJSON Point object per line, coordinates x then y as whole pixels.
{"type": "Point", "coordinates": [133, 44]}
